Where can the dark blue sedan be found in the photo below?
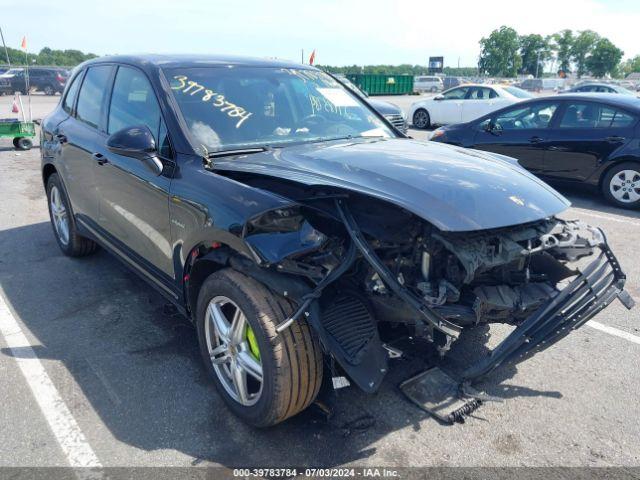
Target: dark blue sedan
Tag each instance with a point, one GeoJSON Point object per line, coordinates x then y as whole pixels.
{"type": "Point", "coordinates": [588, 138]}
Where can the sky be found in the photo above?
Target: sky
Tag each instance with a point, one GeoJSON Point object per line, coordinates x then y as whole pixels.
{"type": "Point", "coordinates": [343, 32]}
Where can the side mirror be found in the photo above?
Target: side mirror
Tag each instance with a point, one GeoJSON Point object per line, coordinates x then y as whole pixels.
{"type": "Point", "coordinates": [136, 142]}
{"type": "Point", "coordinates": [438, 97]}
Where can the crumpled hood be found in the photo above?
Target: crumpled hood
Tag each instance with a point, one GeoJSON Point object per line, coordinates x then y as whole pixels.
{"type": "Point", "coordinates": [453, 188]}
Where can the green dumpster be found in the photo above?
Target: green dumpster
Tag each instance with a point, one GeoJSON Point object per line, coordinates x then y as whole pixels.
{"type": "Point", "coordinates": [383, 84]}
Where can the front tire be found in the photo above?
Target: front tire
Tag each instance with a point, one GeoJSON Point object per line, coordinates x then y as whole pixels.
{"type": "Point", "coordinates": [421, 119]}
{"type": "Point", "coordinates": [621, 185]}
{"type": "Point", "coordinates": [64, 226]}
{"type": "Point", "coordinates": [263, 377]}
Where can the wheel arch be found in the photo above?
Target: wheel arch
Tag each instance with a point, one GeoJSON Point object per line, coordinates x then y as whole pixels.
{"type": "Point", "coordinates": [206, 259]}
{"type": "Point", "coordinates": [203, 260]}
{"type": "Point", "coordinates": [47, 170]}
{"type": "Point", "coordinates": [426, 110]}
{"type": "Point", "coordinates": [613, 164]}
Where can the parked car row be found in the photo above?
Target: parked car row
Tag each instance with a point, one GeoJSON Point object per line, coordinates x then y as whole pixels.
{"type": "Point", "coordinates": [464, 103]}
{"type": "Point", "coordinates": [589, 134]}
{"type": "Point", "coordinates": [433, 84]}
{"type": "Point", "coordinates": [590, 138]}
{"type": "Point", "coordinates": [49, 80]}
{"type": "Point", "coordinates": [595, 87]}
{"type": "Point", "coordinates": [540, 84]}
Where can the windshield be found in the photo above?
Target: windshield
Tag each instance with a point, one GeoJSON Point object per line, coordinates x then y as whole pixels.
{"type": "Point", "coordinates": [230, 108]}
{"type": "Point", "coordinates": [518, 92]}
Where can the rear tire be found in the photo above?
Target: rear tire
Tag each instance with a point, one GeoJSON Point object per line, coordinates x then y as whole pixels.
{"type": "Point", "coordinates": [290, 363]}
{"type": "Point", "coordinates": [621, 185]}
{"type": "Point", "coordinates": [421, 119]}
{"type": "Point", "coordinates": [48, 90]}
{"type": "Point", "coordinates": [70, 242]}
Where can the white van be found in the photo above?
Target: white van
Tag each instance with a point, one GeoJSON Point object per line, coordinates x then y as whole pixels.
{"type": "Point", "coordinates": [427, 84]}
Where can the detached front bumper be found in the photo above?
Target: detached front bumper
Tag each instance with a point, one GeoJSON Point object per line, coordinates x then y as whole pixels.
{"type": "Point", "coordinates": [589, 292]}
{"type": "Point", "coordinates": [586, 294]}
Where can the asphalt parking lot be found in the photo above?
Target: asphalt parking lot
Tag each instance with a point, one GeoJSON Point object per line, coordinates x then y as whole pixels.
{"type": "Point", "coordinates": [128, 370]}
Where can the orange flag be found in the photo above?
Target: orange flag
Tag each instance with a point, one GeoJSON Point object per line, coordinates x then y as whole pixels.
{"type": "Point", "coordinates": [24, 43]}
{"type": "Point", "coordinates": [312, 57]}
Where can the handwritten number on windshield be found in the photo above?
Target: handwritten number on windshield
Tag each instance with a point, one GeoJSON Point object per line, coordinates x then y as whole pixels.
{"type": "Point", "coordinates": [218, 101]}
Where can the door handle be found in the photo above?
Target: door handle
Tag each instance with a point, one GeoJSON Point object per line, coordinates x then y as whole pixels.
{"type": "Point", "coordinates": [614, 139]}
{"type": "Point", "coordinates": [536, 140]}
{"type": "Point", "coordinates": [60, 138]}
{"type": "Point", "coordinates": [100, 158]}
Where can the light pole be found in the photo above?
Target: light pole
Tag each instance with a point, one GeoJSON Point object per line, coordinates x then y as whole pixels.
{"type": "Point", "coordinates": [6, 52]}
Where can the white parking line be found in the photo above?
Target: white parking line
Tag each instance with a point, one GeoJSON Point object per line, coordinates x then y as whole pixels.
{"type": "Point", "coordinates": [604, 216]}
{"type": "Point", "coordinates": [614, 331]}
{"type": "Point", "coordinates": [62, 424]}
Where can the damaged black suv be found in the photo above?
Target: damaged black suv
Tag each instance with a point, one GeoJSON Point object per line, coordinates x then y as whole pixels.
{"type": "Point", "coordinates": [294, 225]}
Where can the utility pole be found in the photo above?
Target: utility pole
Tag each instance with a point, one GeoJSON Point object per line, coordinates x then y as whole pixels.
{"type": "Point", "coordinates": [6, 52]}
{"type": "Point", "coordinates": [302, 56]}
{"type": "Point", "coordinates": [537, 63]}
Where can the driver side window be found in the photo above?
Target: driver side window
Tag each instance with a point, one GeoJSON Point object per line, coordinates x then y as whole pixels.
{"type": "Point", "coordinates": [456, 93]}
{"type": "Point", "coordinates": [530, 117]}
{"type": "Point", "coordinates": [133, 102]}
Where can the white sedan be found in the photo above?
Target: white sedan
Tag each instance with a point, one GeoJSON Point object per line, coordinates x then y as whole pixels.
{"type": "Point", "coordinates": [463, 104]}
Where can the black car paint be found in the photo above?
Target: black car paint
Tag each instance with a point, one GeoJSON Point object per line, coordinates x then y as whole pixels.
{"type": "Point", "coordinates": [174, 229]}
{"type": "Point", "coordinates": [189, 206]}
{"type": "Point", "coordinates": [574, 155]}
{"type": "Point", "coordinates": [435, 182]}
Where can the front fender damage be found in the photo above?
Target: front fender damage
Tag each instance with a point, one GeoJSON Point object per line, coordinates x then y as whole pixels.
{"type": "Point", "coordinates": [352, 267]}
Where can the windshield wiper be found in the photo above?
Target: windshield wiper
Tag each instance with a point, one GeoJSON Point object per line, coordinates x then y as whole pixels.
{"type": "Point", "coordinates": [236, 151]}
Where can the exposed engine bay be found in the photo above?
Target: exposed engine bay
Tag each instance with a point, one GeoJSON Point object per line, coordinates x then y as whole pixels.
{"type": "Point", "coordinates": [362, 263]}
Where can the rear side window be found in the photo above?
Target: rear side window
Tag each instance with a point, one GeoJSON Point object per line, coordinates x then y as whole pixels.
{"type": "Point", "coordinates": [594, 115]}
{"type": "Point", "coordinates": [133, 102]}
{"type": "Point", "coordinates": [72, 92]}
{"type": "Point", "coordinates": [482, 93]}
{"type": "Point", "coordinates": [622, 120]}
{"type": "Point", "coordinates": [92, 94]}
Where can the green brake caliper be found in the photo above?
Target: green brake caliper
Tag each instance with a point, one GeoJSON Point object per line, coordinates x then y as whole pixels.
{"type": "Point", "coordinates": [253, 342]}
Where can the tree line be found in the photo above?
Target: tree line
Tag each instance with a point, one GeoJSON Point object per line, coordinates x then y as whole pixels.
{"type": "Point", "coordinates": [505, 53]}
{"type": "Point", "coordinates": [46, 56]}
